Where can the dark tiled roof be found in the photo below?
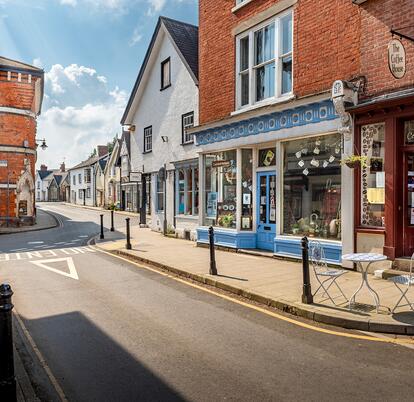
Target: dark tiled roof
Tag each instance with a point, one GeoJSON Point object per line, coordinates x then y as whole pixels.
{"type": "Point", "coordinates": [185, 37]}
{"type": "Point", "coordinates": [88, 162]}
{"type": "Point", "coordinates": [103, 161]}
{"type": "Point", "coordinates": [44, 173]}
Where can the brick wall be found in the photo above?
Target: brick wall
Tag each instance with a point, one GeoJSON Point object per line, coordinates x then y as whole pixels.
{"type": "Point", "coordinates": [377, 18]}
{"type": "Point", "coordinates": [326, 48]}
{"type": "Point", "coordinates": [14, 130]}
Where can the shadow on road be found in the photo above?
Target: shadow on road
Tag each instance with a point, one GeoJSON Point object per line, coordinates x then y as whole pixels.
{"type": "Point", "coordinates": [90, 366]}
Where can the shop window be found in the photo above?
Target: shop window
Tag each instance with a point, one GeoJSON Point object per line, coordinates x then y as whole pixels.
{"type": "Point", "coordinates": [220, 189]}
{"type": "Point", "coordinates": [160, 193]}
{"type": "Point", "coordinates": [264, 61]}
{"type": "Point", "coordinates": [373, 175]}
{"type": "Point", "coordinates": [187, 191]}
{"type": "Point", "coordinates": [409, 132]}
{"type": "Point", "coordinates": [267, 157]}
{"type": "Point", "coordinates": [312, 187]}
{"type": "Point", "coordinates": [247, 190]}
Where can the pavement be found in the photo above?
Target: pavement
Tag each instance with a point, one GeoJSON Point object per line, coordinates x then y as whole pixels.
{"type": "Point", "coordinates": [106, 329]}
{"type": "Point", "coordinates": [269, 281]}
{"type": "Point", "coordinates": [44, 220]}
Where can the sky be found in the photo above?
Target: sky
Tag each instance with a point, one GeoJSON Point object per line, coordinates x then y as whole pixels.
{"type": "Point", "coordinates": [91, 52]}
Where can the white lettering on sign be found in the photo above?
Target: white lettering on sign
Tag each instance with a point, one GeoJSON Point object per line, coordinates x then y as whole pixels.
{"type": "Point", "coordinates": [396, 58]}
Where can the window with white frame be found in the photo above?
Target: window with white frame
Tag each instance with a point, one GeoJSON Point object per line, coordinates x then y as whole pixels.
{"type": "Point", "coordinates": [87, 174]}
{"type": "Point", "coordinates": [80, 194]}
{"type": "Point", "coordinates": [148, 139]}
{"type": "Point", "coordinates": [264, 61]}
{"type": "Point", "coordinates": [187, 123]}
{"type": "Point", "coordinates": [160, 193]}
{"type": "Point", "coordinates": [88, 192]}
{"type": "Point", "coordinates": [74, 180]}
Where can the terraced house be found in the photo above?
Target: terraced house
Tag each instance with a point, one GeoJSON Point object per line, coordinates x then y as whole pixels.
{"type": "Point", "coordinates": [271, 135]}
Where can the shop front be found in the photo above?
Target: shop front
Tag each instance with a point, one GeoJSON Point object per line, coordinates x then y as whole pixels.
{"type": "Point", "coordinates": [384, 191]}
{"type": "Point", "coordinates": [267, 182]}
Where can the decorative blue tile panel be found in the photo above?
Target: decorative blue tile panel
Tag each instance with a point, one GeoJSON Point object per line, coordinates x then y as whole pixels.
{"type": "Point", "coordinates": [300, 116]}
{"type": "Point", "coordinates": [291, 247]}
{"type": "Point", "coordinates": [228, 238]}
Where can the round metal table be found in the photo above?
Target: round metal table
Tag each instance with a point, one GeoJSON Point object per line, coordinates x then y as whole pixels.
{"type": "Point", "coordinates": [359, 258]}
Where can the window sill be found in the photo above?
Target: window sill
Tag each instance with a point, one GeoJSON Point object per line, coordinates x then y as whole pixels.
{"type": "Point", "coordinates": [240, 5]}
{"type": "Point", "coordinates": [164, 88]}
{"type": "Point", "coordinates": [268, 102]}
{"type": "Point", "coordinates": [146, 152]}
{"type": "Point", "coordinates": [187, 143]}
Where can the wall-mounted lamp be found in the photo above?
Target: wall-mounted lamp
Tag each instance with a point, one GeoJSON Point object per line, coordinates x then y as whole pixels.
{"type": "Point", "coordinates": [130, 128]}
{"type": "Point", "coordinates": [164, 138]}
{"type": "Point", "coordinates": [42, 145]}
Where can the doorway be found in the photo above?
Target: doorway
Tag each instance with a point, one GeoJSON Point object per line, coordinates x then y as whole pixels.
{"type": "Point", "coordinates": [408, 204]}
{"type": "Point", "coordinates": [266, 211]}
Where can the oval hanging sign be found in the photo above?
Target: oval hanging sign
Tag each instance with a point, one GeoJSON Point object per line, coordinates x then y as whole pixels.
{"type": "Point", "coordinates": [396, 58]}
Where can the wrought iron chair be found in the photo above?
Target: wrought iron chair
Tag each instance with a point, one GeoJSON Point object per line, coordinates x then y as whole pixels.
{"type": "Point", "coordinates": [403, 283]}
{"type": "Point", "coordinates": [325, 276]}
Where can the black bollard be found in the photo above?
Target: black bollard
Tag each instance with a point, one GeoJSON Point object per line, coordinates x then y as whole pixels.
{"type": "Point", "coordinates": [307, 297]}
{"type": "Point", "coordinates": [102, 229]}
{"type": "Point", "coordinates": [213, 268]}
{"type": "Point", "coordinates": [128, 235]}
{"type": "Point", "coordinates": [112, 220]}
{"type": "Point", "coordinates": [7, 378]}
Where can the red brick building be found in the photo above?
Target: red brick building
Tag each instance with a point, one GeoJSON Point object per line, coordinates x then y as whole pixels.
{"type": "Point", "coordinates": [21, 94]}
{"type": "Point", "coordinates": [384, 128]}
{"type": "Point", "coordinates": [270, 136]}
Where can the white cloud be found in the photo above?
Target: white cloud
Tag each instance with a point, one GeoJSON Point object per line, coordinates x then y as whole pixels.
{"type": "Point", "coordinates": [156, 5]}
{"type": "Point", "coordinates": [79, 112]}
{"type": "Point", "coordinates": [136, 37]}
{"type": "Point", "coordinates": [37, 62]}
{"type": "Point", "coordinates": [72, 3]}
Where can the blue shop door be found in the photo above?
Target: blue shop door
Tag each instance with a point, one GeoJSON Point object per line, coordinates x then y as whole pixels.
{"type": "Point", "coordinates": [266, 211]}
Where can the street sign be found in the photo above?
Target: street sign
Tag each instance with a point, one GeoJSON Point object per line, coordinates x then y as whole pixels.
{"type": "Point", "coordinates": [3, 163]}
{"type": "Point", "coordinates": [135, 177]}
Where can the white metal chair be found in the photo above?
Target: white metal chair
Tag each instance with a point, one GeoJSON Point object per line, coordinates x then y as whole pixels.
{"type": "Point", "coordinates": [325, 276]}
{"type": "Point", "coordinates": [403, 283]}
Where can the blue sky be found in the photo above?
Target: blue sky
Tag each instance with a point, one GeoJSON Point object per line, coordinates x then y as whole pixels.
{"type": "Point", "coordinates": [91, 51]}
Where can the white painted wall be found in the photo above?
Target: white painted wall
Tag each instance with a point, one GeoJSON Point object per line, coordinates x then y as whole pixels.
{"type": "Point", "coordinates": [163, 111]}
{"type": "Point", "coordinates": [83, 186]}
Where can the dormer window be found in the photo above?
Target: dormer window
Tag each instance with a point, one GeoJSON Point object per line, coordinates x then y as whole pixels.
{"type": "Point", "coordinates": [165, 73]}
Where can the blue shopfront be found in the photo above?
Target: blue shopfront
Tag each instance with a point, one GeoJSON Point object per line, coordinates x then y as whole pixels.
{"type": "Point", "coordinates": [267, 181]}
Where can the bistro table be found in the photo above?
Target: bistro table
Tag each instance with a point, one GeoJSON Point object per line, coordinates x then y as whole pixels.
{"type": "Point", "coordinates": [359, 258]}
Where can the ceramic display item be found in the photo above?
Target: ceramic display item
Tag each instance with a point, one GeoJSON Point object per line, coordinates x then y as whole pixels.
{"type": "Point", "coordinates": [333, 227]}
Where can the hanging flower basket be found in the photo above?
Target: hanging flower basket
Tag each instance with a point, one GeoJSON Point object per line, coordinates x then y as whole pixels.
{"type": "Point", "coordinates": [354, 161]}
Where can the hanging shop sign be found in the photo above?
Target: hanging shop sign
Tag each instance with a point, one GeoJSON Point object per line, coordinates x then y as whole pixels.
{"type": "Point", "coordinates": [396, 58]}
{"type": "Point", "coordinates": [135, 177]}
{"type": "Point", "coordinates": [216, 164]}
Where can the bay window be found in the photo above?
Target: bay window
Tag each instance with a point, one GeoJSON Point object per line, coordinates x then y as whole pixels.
{"type": "Point", "coordinates": [264, 61]}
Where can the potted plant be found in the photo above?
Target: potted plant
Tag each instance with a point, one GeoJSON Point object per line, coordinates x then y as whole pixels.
{"type": "Point", "coordinates": [295, 228]}
{"type": "Point", "coordinates": [226, 220]}
{"type": "Point", "coordinates": [352, 161]}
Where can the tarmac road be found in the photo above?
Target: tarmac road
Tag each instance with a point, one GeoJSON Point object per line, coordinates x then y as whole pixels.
{"type": "Point", "coordinates": [111, 331]}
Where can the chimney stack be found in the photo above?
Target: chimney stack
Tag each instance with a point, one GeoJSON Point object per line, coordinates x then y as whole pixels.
{"type": "Point", "coordinates": [43, 168]}
{"type": "Point", "coordinates": [63, 167]}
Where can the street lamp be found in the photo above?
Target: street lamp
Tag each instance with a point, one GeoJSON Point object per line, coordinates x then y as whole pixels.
{"type": "Point", "coordinates": [42, 145]}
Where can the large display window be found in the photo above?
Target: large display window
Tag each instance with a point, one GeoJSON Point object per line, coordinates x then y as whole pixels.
{"type": "Point", "coordinates": [247, 189]}
{"type": "Point", "coordinates": [373, 175]}
{"type": "Point", "coordinates": [220, 189]}
{"type": "Point", "coordinates": [312, 187]}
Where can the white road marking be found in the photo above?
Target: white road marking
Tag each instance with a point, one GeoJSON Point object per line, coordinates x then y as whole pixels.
{"type": "Point", "coordinates": [83, 236]}
{"type": "Point", "coordinates": [19, 249]}
{"type": "Point", "coordinates": [35, 242]}
{"type": "Point", "coordinates": [32, 254]}
{"type": "Point", "coordinates": [72, 270]}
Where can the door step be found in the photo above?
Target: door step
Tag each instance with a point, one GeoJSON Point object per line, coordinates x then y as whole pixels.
{"type": "Point", "coordinates": [401, 264]}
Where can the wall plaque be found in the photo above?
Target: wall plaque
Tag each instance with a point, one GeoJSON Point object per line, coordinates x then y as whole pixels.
{"type": "Point", "coordinates": [396, 58]}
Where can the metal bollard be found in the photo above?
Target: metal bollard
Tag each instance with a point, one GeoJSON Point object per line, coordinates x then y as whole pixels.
{"type": "Point", "coordinates": [307, 297]}
{"type": "Point", "coordinates": [128, 235]}
{"type": "Point", "coordinates": [102, 228]}
{"type": "Point", "coordinates": [112, 221]}
{"type": "Point", "coordinates": [7, 378]}
{"type": "Point", "coordinates": [213, 268]}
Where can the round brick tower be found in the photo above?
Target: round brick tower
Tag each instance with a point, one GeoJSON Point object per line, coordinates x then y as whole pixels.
{"type": "Point", "coordinates": [21, 94]}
